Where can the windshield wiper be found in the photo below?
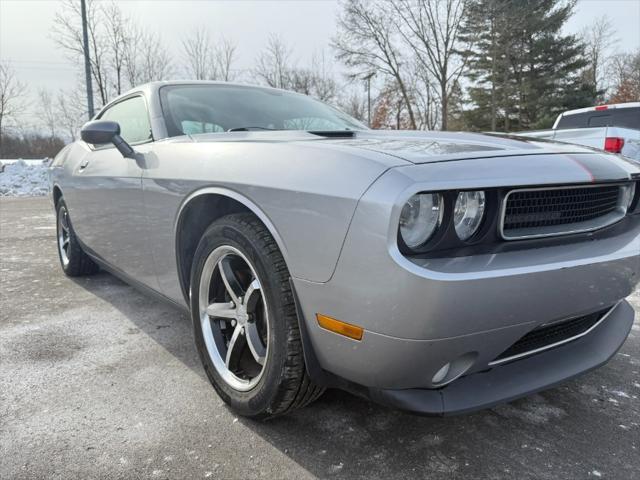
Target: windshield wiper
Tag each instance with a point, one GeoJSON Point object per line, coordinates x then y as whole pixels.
{"type": "Point", "coordinates": [248, 129]}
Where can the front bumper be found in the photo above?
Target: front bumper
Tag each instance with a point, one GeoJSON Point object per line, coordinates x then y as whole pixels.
{"type": "Point", "coordinates": [514, 380]}
{"type": "Point", "coordinates": [419, 315]}
{"type": "Point", "coordinates": [416, 319]}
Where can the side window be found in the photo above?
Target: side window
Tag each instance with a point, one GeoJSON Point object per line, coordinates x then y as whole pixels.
{"type": "Point", "coordinates": [627, 118]}
{"type": "Point", "coordinates": [600, 121]}
{"type": "Point", "coordinates": [133, 118]}
{"type": "Point", "coordinates": [576, 120]}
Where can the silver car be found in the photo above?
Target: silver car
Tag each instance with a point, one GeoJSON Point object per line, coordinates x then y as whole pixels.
{"type": "Point", "coordinates": [434, 272]}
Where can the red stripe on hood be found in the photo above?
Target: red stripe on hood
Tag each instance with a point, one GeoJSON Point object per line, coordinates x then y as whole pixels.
{"type": "Point", "coordinates": [583, 167]}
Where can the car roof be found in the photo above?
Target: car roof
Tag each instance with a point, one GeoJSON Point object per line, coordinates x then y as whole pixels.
{"type": "Point", "coordinates": [150, 89]}
{"type": "Point", "coordinates": [153, 87]}
{"type": "Point", "coordinates": [597, 108]}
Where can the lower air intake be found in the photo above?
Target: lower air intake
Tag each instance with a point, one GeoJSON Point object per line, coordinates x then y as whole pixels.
{"type": "Point", "coordinates": [549, 336]}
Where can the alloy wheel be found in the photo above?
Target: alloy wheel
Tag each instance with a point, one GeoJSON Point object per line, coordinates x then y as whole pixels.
{"type": "Point", "coordinates": [234, 317]}
{"type": "Point", "coordinates": [63, 235]}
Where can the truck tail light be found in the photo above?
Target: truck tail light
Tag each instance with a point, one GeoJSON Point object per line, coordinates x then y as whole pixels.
{"type": "Point", "coordinates": [601, 107]}
{"type": "Point", "coordinates": [613, 144]}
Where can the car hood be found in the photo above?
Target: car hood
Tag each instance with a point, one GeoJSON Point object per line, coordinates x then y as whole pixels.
{"type": "Point", "coordinates": [409, 146]}
{"type": "Point", "coordinates": [433, 147]}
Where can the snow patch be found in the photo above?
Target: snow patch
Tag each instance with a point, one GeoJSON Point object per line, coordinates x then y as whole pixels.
{"type": "Point", "coordinates": [619, 393]}
{"type": "Point", "coordinates": [22, 179]}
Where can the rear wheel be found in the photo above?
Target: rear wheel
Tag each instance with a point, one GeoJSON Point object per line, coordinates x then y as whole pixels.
{"type": "Point", "coordinates": [245, 320]}
{"type": "Point", "coordinates": [73, 260]}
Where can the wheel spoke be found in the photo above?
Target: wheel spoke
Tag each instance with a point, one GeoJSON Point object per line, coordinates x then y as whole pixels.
{"type": "Point", "coordinates": [222, 310]}
{"type": "Point", "coordinates": [252, 297]}
{"type": "Point", "coordinates": [65, 243]}
{"type": "Point", "coordinates": [254, 341]}
{"type": "Point", "coordinates": [64, 221]}
{"type": "Point", "coordinates": [229, 279]}
{"type": "Point", "coordinates": [233, 349]}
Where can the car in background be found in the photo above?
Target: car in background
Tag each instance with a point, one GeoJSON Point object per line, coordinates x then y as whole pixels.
{"type": "Point", "coordinates": [613, 128]}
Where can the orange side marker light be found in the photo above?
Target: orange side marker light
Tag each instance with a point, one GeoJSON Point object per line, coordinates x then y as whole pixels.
{"type": "Point", "coordinates": [339, 327]}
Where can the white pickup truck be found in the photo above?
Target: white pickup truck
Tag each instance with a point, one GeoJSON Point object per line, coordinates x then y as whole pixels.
{"type": "Point", "coordinates": [614, 128]}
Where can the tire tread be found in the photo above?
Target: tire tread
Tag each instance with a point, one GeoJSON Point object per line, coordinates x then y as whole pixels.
{"type": "Point", "coordinates": [80, 264]}
{"type": "Point", "coordinates": [297, 388]}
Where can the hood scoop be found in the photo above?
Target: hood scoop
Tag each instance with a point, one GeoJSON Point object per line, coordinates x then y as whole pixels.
{"type": "Point", "coordinates": [333, 133]}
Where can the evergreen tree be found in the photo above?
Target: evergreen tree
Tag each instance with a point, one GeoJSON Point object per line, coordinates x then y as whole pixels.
{"type": "Point", "coordinates": [522, 70]}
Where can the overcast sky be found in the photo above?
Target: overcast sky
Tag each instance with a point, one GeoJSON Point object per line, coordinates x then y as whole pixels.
{"type": "Point", "coordinates": [25, 29]}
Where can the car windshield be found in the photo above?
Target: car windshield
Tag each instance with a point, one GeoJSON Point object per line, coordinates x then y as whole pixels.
{"type": "Point", "coordinates": [192, 109]}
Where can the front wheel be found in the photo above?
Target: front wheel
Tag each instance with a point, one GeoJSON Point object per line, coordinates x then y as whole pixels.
{"type": "Point", "coordinates": [245, 321]}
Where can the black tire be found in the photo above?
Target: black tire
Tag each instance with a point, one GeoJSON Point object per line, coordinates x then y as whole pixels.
{"type": "Point", "coordinates": [77, 262]}
{"type": "Point", "coordinates": [284, 385]}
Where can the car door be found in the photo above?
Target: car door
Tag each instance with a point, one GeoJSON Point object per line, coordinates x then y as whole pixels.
{"type": "Point", "coordinates": [108, 212]}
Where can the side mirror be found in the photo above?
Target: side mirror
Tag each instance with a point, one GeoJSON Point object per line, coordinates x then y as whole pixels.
{"type": "Point", "coordinates": [99, 132]}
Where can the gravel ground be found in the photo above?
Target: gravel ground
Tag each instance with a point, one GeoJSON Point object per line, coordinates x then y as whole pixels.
{"type": "Point", "coordinates": [98, 380]}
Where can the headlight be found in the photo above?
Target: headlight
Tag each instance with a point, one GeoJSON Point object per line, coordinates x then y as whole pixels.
{"type": "Point", "coordinates": [628, 195]}
{"type": "Point", "coordinates": [468, 213]}
{"type": "Point", "coordinates": [420, 218]}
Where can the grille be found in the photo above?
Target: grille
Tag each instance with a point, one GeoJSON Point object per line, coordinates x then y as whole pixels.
{"type": "Point", "coordinates": [557, 211]}
{"type": "Point", "coordinates": [547, 336]}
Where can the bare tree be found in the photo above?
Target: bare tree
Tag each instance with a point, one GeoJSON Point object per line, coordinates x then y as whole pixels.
{"type": "Point", "coordinates": [366, 41]}
{"type": "Point", "coordinates": [117, 39]}
{"type": "Point", "coordinates": [225, 55]}
{"type": "Point", "coordinates": [325, 87]}
{"type": "Point", "coordinates": [431, 29]}
{"type": "Point", "coordinates": [122, 54]}
{"type": "Point", "coordinates": [317, 81]}
{"type": "Point", "coordinates": [133, 71]}
{"type": "Point", "coordinates": [12, 95]}
{"type": "Point", "coordinates": [197, 53]}
{"type": "Point", "coordinates": [275, 68]}
{"type": "Point", "coordinates": [62, 115]}
{"type": "Point", "coordinates": [154, 60]}
{"type": "Point", "coordinates": [71, 112]}
{"type": "Point", "coordinates": [145, 57]}
{"type": "Point", "coordinates": [599, 38]}
{"type": "Point", "coordinates": [208, 59]}
{"type": "Point", "coordinates": [273, 65]}
{"type": "Point", "coordinates": [48, 114]}
{"type": "Point", "coordinates": [67, 33]}
{"type": "Point", "coordinates": [354, 104]}
{"type": "Point", "coordinates": [390, 110]}
{"type": "Point", "coordinates": [426, 99]}
{"type": "Point", "coordinates": [625, 72]}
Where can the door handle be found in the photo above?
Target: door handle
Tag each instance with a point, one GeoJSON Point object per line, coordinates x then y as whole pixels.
{"type": "Point", "coordinates": [83, 165]}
